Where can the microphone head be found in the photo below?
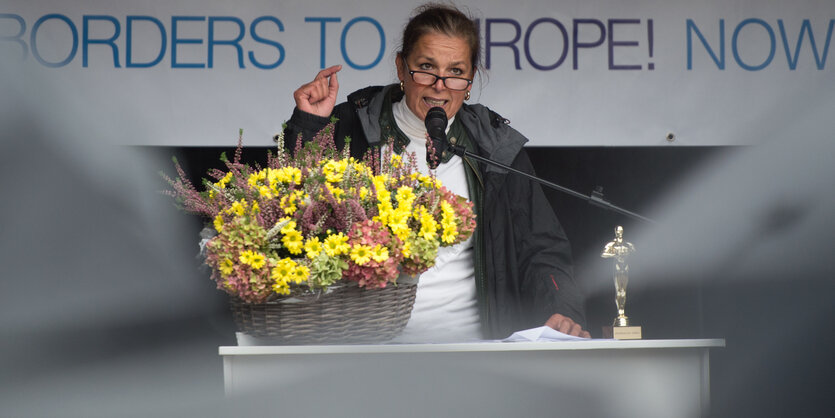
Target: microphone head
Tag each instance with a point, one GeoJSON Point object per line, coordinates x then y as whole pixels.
{"type": "Point", "coordinates": [435, 118]}
{"type": "Point", "coordinates": [435, 122]}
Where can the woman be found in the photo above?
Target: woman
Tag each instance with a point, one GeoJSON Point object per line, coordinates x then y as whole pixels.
{"type": "Point", "coordinates": [515, 273]}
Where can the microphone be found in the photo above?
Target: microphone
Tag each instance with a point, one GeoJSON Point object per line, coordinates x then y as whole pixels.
{"type": "Point", "coordinates": [435, 122]}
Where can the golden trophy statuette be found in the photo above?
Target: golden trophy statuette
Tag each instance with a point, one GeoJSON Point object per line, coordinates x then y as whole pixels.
{"type": "Point", "coordinates": [619, 249]}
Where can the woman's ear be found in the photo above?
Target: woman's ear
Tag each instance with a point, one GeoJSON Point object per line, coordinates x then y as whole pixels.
{"type": "Point", "coordinates": [399, 64]}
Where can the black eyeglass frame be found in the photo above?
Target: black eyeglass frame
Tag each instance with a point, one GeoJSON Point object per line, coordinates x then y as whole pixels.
{"type": "Point", "coordinates": [443, 79]}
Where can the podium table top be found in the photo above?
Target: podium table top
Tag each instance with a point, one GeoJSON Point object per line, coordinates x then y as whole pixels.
{"type": "Point", "coordinates": [483, 346]}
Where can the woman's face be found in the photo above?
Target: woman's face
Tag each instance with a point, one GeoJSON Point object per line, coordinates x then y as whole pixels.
{"type": "Point", "coordinates": [441, 55]}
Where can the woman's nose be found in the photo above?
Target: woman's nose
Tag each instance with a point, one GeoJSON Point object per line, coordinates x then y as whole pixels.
{"type": "Point", "coordinates": [439, 84]}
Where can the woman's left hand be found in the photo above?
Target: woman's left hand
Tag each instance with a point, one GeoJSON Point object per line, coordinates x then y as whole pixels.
{"type": "Point", "coordinates": [566, 325]}
{"type": "Point", "coordinates": [318, 97]}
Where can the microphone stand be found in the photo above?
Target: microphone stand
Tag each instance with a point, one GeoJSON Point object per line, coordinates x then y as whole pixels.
{"type": "Point", "coordinates": [596, 197]}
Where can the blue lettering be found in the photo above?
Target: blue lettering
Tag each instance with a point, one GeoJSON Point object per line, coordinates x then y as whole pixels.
{"type": "Point", "coordinates": [578, 44]}
{"type": "Point", "coordinates": [820, 58]}
{"type": "Point", "coordinates": [175, 41]}
{"type": "Point", "coordinates": [323, 21]}
{"type": "Point", "coordinates": [345, 52]}
{"type": "Point", "coordinates": [650, 43]}
{"type": "Point", "coordinates": [489, 43]}
{"type": "Point", "coordinates": [562, 29]}
{"type": "Point", "coordinates": [17, 37]}
{"type": "Point", "coordinates": [109, 41]}
{"type": "Point", "coordinates": [613, 43]}
{"type": "Point", "coordinates": [233, 42]}
{"type": "Point", "coordinates": [129, 42]}
{"type": "Point", "coordinates": [735, 50]}
{"type": "Point", "coordinates": [720, 60]}
{"type": "Point", "coordinates": [33, 40]}
{"type": "Point", "coordinates": [262, 40]}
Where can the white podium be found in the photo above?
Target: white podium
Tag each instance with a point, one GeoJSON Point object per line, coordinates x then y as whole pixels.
{"type": "Point", "coordinates": [594, 378]}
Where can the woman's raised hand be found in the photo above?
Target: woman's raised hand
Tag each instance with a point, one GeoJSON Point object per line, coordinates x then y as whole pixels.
{"type": "Point", "coordinates": [319, 96]}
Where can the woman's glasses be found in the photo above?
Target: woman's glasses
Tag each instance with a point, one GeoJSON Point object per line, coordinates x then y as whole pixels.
{"type": "Point", "coordinates": [427, 79]}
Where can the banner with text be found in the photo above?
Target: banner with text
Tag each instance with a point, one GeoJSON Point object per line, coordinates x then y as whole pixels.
{"type": "Point", "coordinates": [576, 73]}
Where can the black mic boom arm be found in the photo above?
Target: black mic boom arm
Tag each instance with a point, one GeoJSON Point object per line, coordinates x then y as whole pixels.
{"type": "Point", "coordinates": [596, 197]}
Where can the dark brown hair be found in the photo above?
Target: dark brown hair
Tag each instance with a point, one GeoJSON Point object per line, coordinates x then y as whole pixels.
{"type": "Point", "coordinates": [442, 19]}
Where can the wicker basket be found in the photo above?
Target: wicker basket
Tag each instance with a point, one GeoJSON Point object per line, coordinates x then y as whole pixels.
{"type": "Point", "coordinates": [346, 314]}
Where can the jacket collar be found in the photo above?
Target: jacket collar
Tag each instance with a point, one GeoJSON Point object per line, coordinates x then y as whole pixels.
{"type": "Point", "coordinates": [493, 134]}
{"type": "Point", "coordinates": [369, 111]}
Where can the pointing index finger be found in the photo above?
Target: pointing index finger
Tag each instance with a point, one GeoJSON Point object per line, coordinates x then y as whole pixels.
{"type": "Point", "coordinates": [327, 72]}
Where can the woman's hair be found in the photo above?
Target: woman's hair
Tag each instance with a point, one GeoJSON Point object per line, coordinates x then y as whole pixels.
{"type": "Point", "coordinates": [443, 19]}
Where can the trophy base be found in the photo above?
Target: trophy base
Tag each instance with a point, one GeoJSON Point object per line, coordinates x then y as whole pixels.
{"type": "Point", "coordinates": [622, 333]}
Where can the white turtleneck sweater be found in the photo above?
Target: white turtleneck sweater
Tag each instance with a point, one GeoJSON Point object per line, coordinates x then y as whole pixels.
{"type": "Point", "coordinates": [445, 308]}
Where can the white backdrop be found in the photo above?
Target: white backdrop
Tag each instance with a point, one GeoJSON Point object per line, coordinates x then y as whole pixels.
{"type": "Point", "coordinates": [579, 73]}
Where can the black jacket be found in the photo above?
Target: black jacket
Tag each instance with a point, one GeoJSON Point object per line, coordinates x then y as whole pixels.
{"type": "Point", "coordinates": [526, 273]}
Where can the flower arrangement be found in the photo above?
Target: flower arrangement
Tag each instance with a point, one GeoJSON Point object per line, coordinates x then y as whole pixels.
{"type": "Point", "coordinates": [315, 217]}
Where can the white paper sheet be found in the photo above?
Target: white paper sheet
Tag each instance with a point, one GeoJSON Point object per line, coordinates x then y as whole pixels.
{"type": "Point", "coordinates": [541, 334]}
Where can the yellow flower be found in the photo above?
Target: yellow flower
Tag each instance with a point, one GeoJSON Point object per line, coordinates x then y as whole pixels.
{"type": "Point", "coordinates": [289, 175]}
{"type": "Point", "coordinates": [254, 259]}
{"type": "Point", "coordinates": [289, 225]}
{"type": "Point", "coordinates": [253, 178]}
{"type": "Point", "coordinates": [384, 207]}
{"type": "Point", "coordinates": [281, 287]}
{"type": "Point", "coordinates": [336, 192]}
{"type": "Point", "coordinates": [396, 160]}
{"type": "Point", "coordinates": [360, 168]}
{"type": "Point", "coordinates": [300, 274]}
{"type": "Point", "coordinates": [293, 241]}
{"type": "Point", "coordinates": [429, 181]}
{"type": "Point", "coordinates": [384, 215]}
{"type": "Point", "coordinates": [379, 182]}
{"type": "Point", "coordinates": [257, 261]}
{"type": "Point", "coordinates": [398, 222]}
{"type": "Point", "coordinates": [313, 247]}
{"type": "Point", "coordinates": [239, 207]}
{"type": "Point", "coordinates": [221, 184]}
{"type": "Point", "coordinates": [334, 170]}
{"type": "Point", "coordinates": [283, 270]}
{"type": "Point", "coordinates": [405, 197]}
{"type": "Point", "coordinates": [363, 192]}
{"type": "Point", "coordinates": [336, 244]}
{"type": "Point", "coordinates": [265, 191]}
{"type": "Point", "coordinates": [450, 229]}
{"type": "Point", "coordinates": [428, 226]}
{"type": "Point", "coordinates": [275, 176]}
{"type": "Point", "coordinates": [380, 253]}
{"type": "Point", "coordinates": [283, 273]}
{"type": "Point", "coordinates": [218, 223]}
{"type": "Point", "coordinates": [361, 254]}
{"type": "Point", "coordinates": [407, 249]}
{"type": "Point", "coordinates": [226, 267]}
{"type": "Point", "coordinates": [288, 204]}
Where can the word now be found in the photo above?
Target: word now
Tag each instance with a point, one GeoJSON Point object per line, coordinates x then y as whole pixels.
{"type": "Point", "coordinates": [208, 25]}
{"type": "Point", "coordinates": [792, 51]}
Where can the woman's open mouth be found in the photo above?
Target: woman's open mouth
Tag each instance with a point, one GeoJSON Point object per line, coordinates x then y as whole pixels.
{"type": "Point", "coordinates": [434, 102]}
